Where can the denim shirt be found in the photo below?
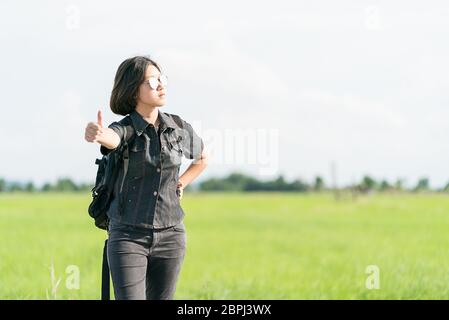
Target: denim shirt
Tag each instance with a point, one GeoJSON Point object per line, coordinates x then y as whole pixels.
{"type": "Point", "coordinates": [149, 190]}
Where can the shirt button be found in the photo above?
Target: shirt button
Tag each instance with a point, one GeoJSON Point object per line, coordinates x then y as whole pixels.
{"type": "Point", "coordinates": [129, 200]}
{"type": "Point", "coordinates": [155, 193]}
{"type": "Point", "coordinates": [158, 169]}
{"type": "Point", "coordinates": [134, 187]}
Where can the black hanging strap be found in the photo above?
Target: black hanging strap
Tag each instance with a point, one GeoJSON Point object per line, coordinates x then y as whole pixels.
{"type": "Point", "coordinates": [105, 279]}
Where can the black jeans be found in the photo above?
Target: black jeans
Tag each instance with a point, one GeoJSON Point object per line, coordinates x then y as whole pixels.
{"type": "Point", "coordinates": [145, 263]}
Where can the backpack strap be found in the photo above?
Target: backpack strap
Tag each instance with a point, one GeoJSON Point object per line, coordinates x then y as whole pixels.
{"type": "Point", "coordinates": [125, 156]}
{"type": "Point", "coordinates": [128, 134]}
{"type": "Point", "coordinates": [105, 275]}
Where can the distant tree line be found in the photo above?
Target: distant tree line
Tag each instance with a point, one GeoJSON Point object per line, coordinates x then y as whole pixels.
{"type": "Point", "coordinates": [61, 185]}
{"type": "Point", "coordinates": [242, 182]}
{"type": "Point", "coordinates": [239, 182]}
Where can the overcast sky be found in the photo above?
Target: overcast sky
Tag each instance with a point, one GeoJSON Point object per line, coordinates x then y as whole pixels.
{"type": "Point", "coordinates": [275, 87]}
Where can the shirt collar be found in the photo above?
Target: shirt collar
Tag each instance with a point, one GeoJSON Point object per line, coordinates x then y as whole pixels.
{"type": "Point", "coordinates": [140, 123]}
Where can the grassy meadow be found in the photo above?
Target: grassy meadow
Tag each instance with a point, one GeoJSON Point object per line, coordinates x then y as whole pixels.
{"type": "Point", "coordinates": [244, 246]}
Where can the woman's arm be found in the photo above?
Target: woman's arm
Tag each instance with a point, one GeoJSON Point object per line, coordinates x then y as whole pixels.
{"type": "Point", "coordinates": [104, 136]}
{"type": "Point", "coordinates": [109, 138]}
{"type": "Point", "coordinates": [193, 171]}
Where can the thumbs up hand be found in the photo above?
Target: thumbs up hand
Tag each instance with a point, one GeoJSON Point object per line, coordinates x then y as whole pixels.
{"type": "Point", "coordinates": [100, 119]}
{"type": "Point", "coordinates": [94, 131]}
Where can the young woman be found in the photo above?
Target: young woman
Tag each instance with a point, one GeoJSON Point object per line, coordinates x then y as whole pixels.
{"type": "Point", "coordinates": [147, 236]}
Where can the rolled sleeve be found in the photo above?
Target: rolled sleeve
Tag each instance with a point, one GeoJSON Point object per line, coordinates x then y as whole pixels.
{"type": "Point", "coordinates": [119, 130]}
{"type": "Point", "coordinates": [193, 144]}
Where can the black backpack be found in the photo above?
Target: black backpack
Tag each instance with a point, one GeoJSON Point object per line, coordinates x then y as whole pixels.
{"type": "Point", "coordinates": [107, 172]}
{"type": "Point", "coordinates": [102, 195]}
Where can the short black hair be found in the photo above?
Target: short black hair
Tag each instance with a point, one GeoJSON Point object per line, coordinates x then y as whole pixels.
{"type": "Point", "coordinates": [129, 76]}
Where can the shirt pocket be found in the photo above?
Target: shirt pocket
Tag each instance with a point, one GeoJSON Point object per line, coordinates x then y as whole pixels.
{"type": "Point", "coordinates": [175, 148]}
{"type": "Point", "coordinates": [137, 154]}
{"type": "Point", "coordinates": [137, 150]}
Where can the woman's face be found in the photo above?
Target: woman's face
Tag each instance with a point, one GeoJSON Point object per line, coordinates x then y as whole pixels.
{"type": "Point", "coordinates": [150, 96]}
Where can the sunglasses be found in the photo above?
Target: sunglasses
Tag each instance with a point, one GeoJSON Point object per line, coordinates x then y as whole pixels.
{"type": "Point", "coordinates": [154, 81]}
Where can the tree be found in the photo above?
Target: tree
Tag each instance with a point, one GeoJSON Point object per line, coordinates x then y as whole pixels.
{"type": "Point", "coordinates": [368, 184]}
{"type": "Point", "coordinates": [384, 185]}
{"type": "Point", "coordinates": [422, 185]}
{"type": "Point", "coordinates": [65, 184]}
{"type": "Point", "coordinates": [15, 186]}
{"type": "Point", "coordinates": [241, 182]}
{"type": "Point", "coordinates": [399, 185]}
{"type": "Point", "coordinates": [319, 184]}
{"type": "Point", "coordinates": [29, 187]}
{"type": "Point", "coordinates": [300, 186]}
{"type": "Point", "coordinates": [279, 184]}
{"type": "Point", "coordinates": [47, 187]}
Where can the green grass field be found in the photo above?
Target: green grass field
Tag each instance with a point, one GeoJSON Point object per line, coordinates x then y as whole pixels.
{"type": "Point", "coordinates": [244, 246]}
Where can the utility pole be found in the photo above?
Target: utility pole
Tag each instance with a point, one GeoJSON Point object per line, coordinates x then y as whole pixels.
{"type": "Point", "coordinates": [334, 180]}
